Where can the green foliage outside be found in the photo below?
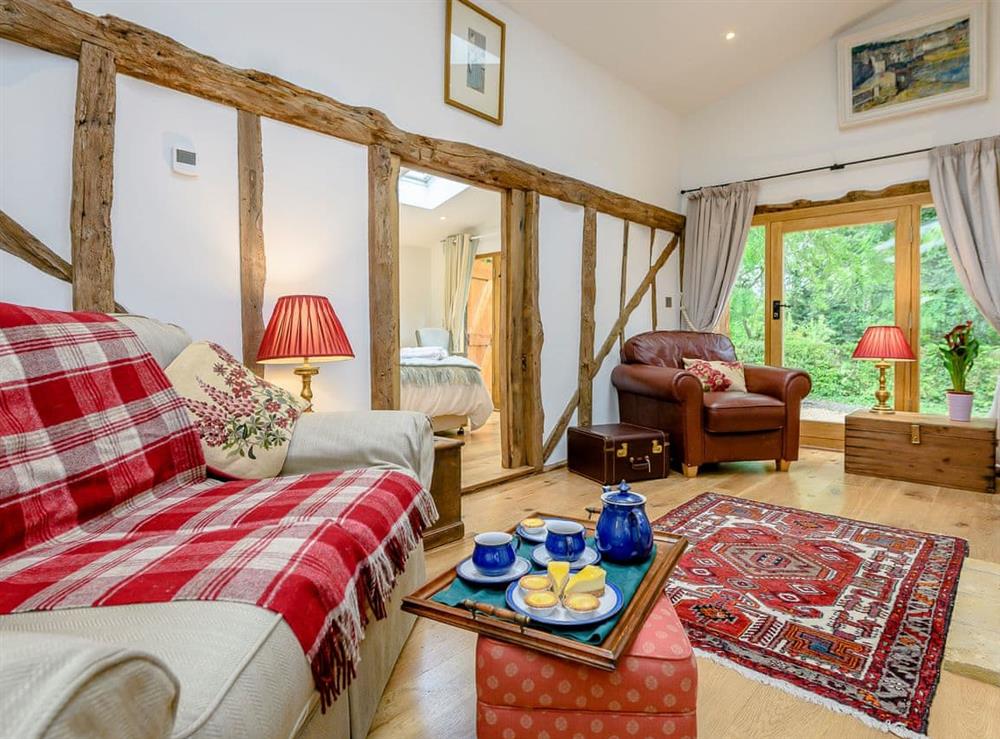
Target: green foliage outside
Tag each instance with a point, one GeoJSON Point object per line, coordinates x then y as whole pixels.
{"type": "Point", "coordinates": [838, 281]}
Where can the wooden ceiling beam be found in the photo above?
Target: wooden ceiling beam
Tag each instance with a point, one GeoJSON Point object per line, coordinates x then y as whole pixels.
{"type": "Point", "coordinates": [139, 52]}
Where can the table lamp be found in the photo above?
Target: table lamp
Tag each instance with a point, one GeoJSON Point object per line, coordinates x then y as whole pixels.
{"type": "Point", "coordinates": [883, 344]}
{"type": "Point", "coordinates": [304, 329]}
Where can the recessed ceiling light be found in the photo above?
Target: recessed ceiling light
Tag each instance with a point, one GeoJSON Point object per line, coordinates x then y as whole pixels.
{"type": "Point", "coordinates": [444, 218]}
{"type": "Point", "coordinates": [730, 35]}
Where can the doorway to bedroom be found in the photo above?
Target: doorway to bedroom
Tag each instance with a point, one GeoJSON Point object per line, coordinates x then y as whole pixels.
{"type": "Point", "coordinates": [451, 257]}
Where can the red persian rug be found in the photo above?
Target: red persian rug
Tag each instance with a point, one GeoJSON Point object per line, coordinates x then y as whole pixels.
{"type": "Point", "coordinates": [848, 614]}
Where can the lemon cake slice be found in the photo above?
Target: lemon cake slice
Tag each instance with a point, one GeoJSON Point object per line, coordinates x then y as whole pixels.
{"type": "Point", "coordinates": [591, 579]}
{"type": "Point", "coordinates": [558, 574]}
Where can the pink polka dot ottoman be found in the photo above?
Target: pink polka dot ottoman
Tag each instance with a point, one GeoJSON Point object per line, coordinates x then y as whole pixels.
{"type": "Point", "coordinates": [526, 694]}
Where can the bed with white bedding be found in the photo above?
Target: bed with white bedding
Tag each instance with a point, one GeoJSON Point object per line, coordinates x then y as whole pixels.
{"type": "Point", "coordinates": [448, 388]}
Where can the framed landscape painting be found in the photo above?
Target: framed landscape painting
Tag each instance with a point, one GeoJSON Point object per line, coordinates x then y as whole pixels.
{"type": "Point", "coordinates": [474, 60]}
{"type": "Point", "coordinates": [913, 65]}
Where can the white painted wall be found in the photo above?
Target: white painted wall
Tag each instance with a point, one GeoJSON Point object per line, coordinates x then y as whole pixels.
{"type": "Point", "coordinates": [788, 121]}
{"type": "Point", "coordinates": [176, 238]}
{"type": "Point", "coordinates": [421, 290]}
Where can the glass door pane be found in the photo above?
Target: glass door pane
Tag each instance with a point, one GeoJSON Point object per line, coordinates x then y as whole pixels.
{"type": "Point", "coordinates": [943, 304]}
{"type": "Point", "coordinates": [746, 304]}
{"type": "Point", "coordinates": [836, 282]}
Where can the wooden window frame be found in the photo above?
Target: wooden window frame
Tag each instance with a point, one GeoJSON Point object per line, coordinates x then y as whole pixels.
{"type": "Point", "coordinates": [854, 209]}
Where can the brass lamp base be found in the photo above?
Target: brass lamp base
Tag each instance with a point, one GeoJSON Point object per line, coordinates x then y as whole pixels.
{"type": "Point", "coordinates": [882, 394]}
{"type": "Point", "coordinates": [306, 372]}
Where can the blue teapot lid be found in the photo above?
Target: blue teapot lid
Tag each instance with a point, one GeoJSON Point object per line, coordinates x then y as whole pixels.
{"type": "Point", "coordinates": [622, 496]}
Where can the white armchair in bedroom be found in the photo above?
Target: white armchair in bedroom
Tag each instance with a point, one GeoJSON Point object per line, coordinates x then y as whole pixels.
{"type": "Point", "coordinates": [434, 337]}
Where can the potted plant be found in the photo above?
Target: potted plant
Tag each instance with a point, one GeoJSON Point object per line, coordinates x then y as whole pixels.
{"type": "Point", "coordinates": [959, 354]}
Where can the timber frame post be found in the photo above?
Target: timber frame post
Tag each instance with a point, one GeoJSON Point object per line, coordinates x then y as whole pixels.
{"type": "Point", "coordinates": [588, 297]}
{"type": "Point", "coordinates": [383, 274]}
{"type": "Point", "coordinates": [253, 264]}
{"type": "Point", "coordinates": [93, 181]}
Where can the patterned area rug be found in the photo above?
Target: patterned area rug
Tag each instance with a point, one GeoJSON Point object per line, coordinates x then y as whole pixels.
{"type": "Point", "coordinates": [848, 614]}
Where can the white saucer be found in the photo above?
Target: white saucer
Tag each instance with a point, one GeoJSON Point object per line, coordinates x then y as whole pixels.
{"type": "Point", "coordinates": [590, 556]}
{"type": "Point", "coordinates": [468, 571]}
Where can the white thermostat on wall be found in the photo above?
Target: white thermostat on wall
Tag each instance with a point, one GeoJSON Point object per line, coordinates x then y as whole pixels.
{"type": "Point", "coordinates": [184, 161]}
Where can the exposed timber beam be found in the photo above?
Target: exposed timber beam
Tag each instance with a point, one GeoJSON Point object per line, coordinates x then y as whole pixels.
{"type": "Point", "coordinates": [253, 264]}
{"type": "Point", "coordinates": [560, 428]}
{"type": "Point", "coordinates": [93, 181]}
{"type": "Point", "coordinates": [588, 296]}
{"type": "Point", "coordinates": [142, 53]}
{"type": "Point", "coordinates": [383, 260]}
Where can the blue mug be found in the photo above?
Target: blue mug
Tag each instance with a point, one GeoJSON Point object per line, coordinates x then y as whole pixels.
{"type": "Point", "coordinates": [495, 552]}
{"type": "Point", "coordinates": [564, 541]}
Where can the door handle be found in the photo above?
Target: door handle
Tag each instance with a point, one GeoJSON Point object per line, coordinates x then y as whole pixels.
{"type": "Point", "coordinates": [776, 306]}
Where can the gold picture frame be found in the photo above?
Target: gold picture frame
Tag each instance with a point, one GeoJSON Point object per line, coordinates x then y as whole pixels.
{"type": "Point", "coordinates": [474, 66]}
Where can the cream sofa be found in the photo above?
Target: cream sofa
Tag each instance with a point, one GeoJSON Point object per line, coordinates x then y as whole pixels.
{"type": "Point", "coordinates": [240, 669]}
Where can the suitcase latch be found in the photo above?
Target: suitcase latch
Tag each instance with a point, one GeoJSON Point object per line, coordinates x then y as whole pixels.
{"type": "Point", "coordinates": [657, 447]}
{"type": "Point", "coordinates": [914, 433]}
{"type": "Point", "coordinates": [622, 451]}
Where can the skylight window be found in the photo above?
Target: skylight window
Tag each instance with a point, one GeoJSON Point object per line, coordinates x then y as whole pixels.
{"type": "Point", "coordinates": [426, 191]}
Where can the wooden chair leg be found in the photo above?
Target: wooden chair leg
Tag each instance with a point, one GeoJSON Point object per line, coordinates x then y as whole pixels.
{"type": "Point", "coordinates": [689, 470]}
{"type": "Point", "coordinates": [782, 465]}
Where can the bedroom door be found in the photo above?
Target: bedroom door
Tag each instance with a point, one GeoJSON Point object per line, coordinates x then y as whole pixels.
{"type": "Point", "coordinates": [481, 320]}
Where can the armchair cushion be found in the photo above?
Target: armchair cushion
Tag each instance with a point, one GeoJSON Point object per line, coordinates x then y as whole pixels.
{"type": "Point", "coordinates": [732, 413]}
{"type": "Point", "coordinates": [668, 348]}
{"type": "Point", "coordinates": [717, 376]}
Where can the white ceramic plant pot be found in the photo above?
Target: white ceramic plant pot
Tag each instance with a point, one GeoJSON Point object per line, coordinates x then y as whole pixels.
{"type": "Point", "coordinates": [959, 406]}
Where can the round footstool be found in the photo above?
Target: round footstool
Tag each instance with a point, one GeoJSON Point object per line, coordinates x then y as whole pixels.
{"type": "Point", "coordinates": [524, 693]}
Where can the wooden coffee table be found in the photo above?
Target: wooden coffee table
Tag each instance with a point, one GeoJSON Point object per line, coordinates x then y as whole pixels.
{"type": "Point", "coordinates": [517, 629]}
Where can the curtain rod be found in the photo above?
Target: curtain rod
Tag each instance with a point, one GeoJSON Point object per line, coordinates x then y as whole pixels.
{"type": "Point", "coordinates": [830, 167]}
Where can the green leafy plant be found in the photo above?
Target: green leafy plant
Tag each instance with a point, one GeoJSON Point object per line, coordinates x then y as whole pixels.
{"type": "Point", "coordinates": [959, 354]}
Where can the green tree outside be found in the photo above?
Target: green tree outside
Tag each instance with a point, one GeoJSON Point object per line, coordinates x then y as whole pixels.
{"type": "Point", "coordinates": [837, 282]}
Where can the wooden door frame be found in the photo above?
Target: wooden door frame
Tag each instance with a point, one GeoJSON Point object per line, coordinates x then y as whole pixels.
{"type": "Point", "coordinates": [904, 210]}
{"type": "Point", "coordinates": [520, 330]}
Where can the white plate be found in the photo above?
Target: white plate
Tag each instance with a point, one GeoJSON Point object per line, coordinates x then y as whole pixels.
{"type": "Point", "coordinates": [590, 556]}
{"type": "Point", "coordinates": [468, 571]}
{"type": "Point", "coordinates": [611, 602]}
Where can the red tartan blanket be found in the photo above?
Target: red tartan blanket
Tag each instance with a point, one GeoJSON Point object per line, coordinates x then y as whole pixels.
{"type": "Point", "coordinates": [104, 501]}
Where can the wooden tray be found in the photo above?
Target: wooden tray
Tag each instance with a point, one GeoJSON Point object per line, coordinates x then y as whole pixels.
{"type": "Point", "coordinates": [604, 656]}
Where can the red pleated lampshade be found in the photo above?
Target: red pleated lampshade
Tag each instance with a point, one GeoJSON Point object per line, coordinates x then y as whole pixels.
{"type": "Point", "coordinates": [303, 327]}
{"type": "Point", "coordinates": [884, 342]}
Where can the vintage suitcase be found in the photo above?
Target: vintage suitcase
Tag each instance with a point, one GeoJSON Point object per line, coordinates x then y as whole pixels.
{"type": "Point", "coordinates": [614, 452]}
{"type": "Point", "coordinates": [922, 448]}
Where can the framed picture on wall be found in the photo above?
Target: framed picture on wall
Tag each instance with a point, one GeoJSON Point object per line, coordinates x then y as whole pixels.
{"type": "Point", "coordinates": [913, 65]}
{"type": "Point", "coordinates": [474, 60]}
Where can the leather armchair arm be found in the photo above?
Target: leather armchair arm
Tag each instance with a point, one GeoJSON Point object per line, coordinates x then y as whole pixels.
{"type": "Point", "coordinates": [662, 383]}
{"type": "Point", "coordinates": [784, 384]}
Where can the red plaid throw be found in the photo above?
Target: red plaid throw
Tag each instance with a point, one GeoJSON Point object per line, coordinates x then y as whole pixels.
{"type": "Point", "coordinates": [104, 501]}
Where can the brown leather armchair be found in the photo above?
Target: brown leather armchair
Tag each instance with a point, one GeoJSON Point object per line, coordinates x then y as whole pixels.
{"type": "Point", "coordinates": [655, 390]}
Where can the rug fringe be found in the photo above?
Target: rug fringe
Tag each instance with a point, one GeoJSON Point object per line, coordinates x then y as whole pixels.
{"type": "Point", "coordinates": [884, 726]}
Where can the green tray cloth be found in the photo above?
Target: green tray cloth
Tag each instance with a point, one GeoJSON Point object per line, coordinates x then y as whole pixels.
{"type": "Point", "coordinates": [626, 577]}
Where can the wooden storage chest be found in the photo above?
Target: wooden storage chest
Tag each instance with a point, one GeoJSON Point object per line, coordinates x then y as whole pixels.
{"type": "Point", "coordinates": [922, 448]}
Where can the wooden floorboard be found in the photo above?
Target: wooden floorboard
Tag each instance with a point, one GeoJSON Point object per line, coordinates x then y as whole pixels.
{"type": "Point", "coordinates": [432, 691]}
{"type": "Point", "coordinates": [481, 466]}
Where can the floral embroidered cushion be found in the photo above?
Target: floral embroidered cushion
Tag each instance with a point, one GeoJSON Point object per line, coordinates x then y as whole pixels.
{"type": "Point", "coordinates": [717, 376]}
{"type": "Point", "coordinates": [245, 423]}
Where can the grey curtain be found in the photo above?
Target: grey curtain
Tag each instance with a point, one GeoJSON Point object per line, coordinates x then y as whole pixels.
{"type": "Point", "coordinates": [718, 220]}
{"type": "Point", "coordinates": [459, 258]}
{"type": "Point", "coordinates": [965, 183]}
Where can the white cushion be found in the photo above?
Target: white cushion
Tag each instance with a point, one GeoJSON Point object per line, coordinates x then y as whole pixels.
{"type": "Point", "coordinates": [60, 687]}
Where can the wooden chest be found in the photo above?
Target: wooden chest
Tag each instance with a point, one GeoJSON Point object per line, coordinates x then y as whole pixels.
{"type": "Point", "coordinates": [922, 448]}
{"type": "Point", "coordinates": [446, 488]}
{"type": "Point", "coordinates": [618, 451]}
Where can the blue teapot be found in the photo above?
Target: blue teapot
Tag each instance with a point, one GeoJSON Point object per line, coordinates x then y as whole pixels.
{"type": "Point", "coordinates": [624, 534]}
